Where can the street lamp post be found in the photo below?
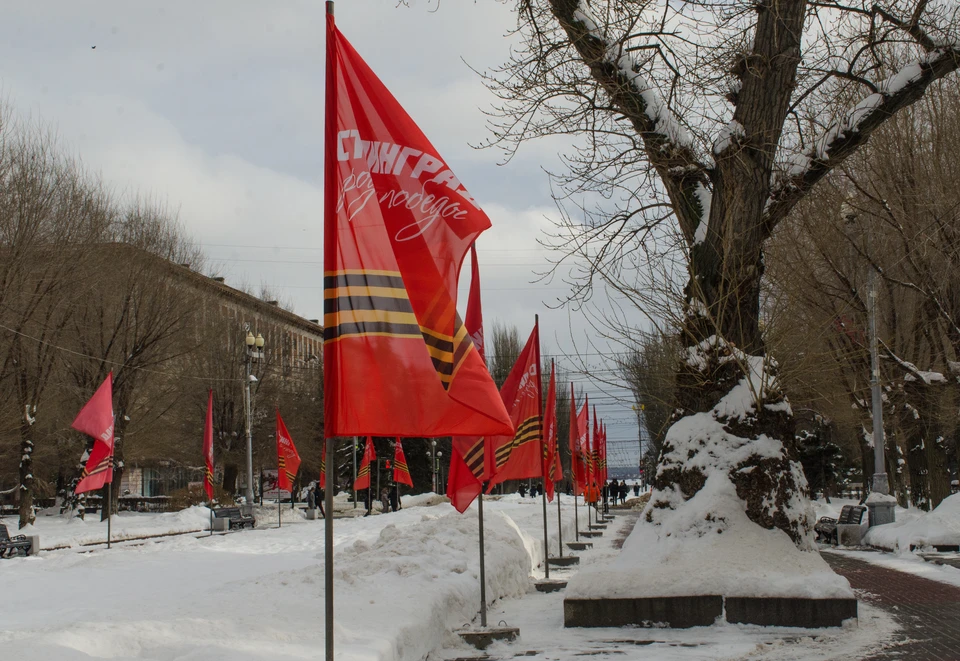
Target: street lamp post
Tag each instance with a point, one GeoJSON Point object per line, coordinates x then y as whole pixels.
{"type": "Point", "coordinates": [440, 470]}
{"type": "Point", "coordinates": [433, 462]}
{"type": "Point", "coordinates": [254, 352]}
{"type": "Point", "coordinates": [880, 503]}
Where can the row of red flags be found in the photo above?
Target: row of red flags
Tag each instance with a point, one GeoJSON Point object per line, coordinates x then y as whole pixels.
{"type": "Point", "coordinates": [398, 359]}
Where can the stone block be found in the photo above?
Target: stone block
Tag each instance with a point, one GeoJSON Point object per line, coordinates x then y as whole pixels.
{"type": "Point", "coordinates": [564, 561]}
{"type": "Point", "coordinates": [483, 638]}
{"type": "Point", "coordinates": [591, 533]}
{"type": "Point", "coordinates": [550, 585]}
{"type": "Point", "coordinates": [790, 611]}
{"type": "Point", "coordinates": [674, 612]}
{"type": "Point", "coordinates": [579, 546]}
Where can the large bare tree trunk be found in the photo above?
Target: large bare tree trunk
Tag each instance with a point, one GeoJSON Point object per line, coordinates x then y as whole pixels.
{"type": "Point", "coordinates": [27, 480]}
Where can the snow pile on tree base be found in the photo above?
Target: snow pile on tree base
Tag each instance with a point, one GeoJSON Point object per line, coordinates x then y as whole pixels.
{"type": "Point", "coordinates": [708, 546]}
{"type": "Point", "coordinates": [941, 527]}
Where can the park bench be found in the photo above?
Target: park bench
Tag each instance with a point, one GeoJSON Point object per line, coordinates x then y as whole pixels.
{"type": "Point", "coordinates": [231, 518]}
{"type": "Point", "coordinates": [826, 529]}
{"type": "Point", "coordinates": [11, 546]}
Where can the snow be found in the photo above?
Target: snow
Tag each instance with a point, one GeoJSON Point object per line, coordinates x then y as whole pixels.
{"type": "Point", "coordinates": [877, 497]}
{"type": "Point", "coordinates": [919, 529]}
{"type": "Point", "coordinates": [730, 134]}
{"type": "Point", "coordinates": [403, 581]}
{"type": "Point", "coordinates": [705, 198]}
{"type": "Point", "coordinates": [725, 554]}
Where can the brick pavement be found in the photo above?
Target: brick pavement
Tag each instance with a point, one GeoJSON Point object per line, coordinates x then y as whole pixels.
{"type": "Point", "coordinates": [927, 611]}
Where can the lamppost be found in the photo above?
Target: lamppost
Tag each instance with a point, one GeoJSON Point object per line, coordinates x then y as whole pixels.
{"type": "Point", "coordinates": [254, 352]}
{"type": "Point", "coordinates": [880, 503]}
{"type": "Point", "coordinates": [433, 462]}
{"type": "Point", "coordinates": [437, 466]}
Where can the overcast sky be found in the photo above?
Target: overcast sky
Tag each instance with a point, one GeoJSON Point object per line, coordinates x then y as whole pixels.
{"type": "Point", "coordinates": [216, 107]}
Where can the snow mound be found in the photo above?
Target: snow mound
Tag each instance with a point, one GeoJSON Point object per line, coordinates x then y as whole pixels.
{"type": "Point", "coordinates": [919, 530]}
{"type": "Point", "coordinates": [709, 547]}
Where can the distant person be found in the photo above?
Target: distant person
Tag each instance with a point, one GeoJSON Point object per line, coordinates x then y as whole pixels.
{"type": "Point", "coordinates": [384, 500]}
{"type": "Point", "coordinates": [395, 497]}
{"type": "Point", "coordinates": [623, 492]}
{"type": "Point", "coordinates": [534, 491]}
{"type": "Point", "coordinates": [523, 490]}
{"type": "Point", "coordinates": [636, 489]}
{"type": "Point", "coordinates": [318, 497]}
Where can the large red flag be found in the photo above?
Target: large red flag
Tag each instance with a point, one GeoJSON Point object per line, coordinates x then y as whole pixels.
{"type": "Point", "coordinates": [208, 448]}
{"type": "Point", "coordinates": [397, 225]}
{"type": "Point", "coordinates": [96, 419]}
{"type": "Point", "coordinates": [288, 459]}
{"type": "Point", "coordinates": [401, 472]}
{"type": "Point", "coordinates": [521, 455]}
{"type": "Point", "coordinates": [363, 474]}
{"type": "Point", "coordinates": [471, 459]}
{"type": "Point", "coordinates": [550, 454]}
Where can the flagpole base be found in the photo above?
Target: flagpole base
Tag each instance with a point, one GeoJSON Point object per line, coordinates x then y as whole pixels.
{"type": "Point", "coordinates": [579, 546]}
{"type": "Point", "coordinates": [564, 561]}
{"type": "Point", "coordinates": [550, 585]}
{"type": "Point", "coordinates": [483, 638]}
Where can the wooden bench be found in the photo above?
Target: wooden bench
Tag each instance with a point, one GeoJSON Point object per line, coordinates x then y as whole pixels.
{"type": "Point", "coordinates": [231, 518]}
{"type": "Point", "coordinates": [11, 546]}
{"type": "Point", "coordinates": [826, 529]}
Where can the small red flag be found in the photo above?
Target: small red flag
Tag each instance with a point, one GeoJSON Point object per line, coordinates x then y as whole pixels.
{"type": "Point", "coordinates": [401, 473]}
{"type": "Point", "coordinates": [550, 454]}
{"type": "Point", "coordinates": [288, 460]}
{"type": "Point", "coordinates": [208, 448]}
{"type": "Point", "coordinates": [363, 474]}
{"type": "Point", "coordinates": [474, 318]}
{"type": "Point", "coordinates": [583, 425]}
{"type": "Point", "coordinates": [96, 419]}
{"type": "Point", "coordinates": [521, 455]}
{"type": "Point", "coordinates": [578, 469]}
{"type": "Point", "coordinates": [397, 225]}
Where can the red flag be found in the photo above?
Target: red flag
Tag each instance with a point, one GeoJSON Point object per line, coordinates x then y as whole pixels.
{"type": "Point", "coordinates": [583, 424]}
{"type": "Point", "coordinates": [397, 225]}
{"type": "Point", "coordinates": [208, 448]}
{"type": "Point", "coordinates": [363, 474]}
{"type": "Point", "coordinates": [96, 419]}
{"type": "Point", "coordinates": [521, 455]}
{"type": "Point", "coordinates": [550, 454]}
{"type": "Point", "coordinates": [471, 458]}
{"type": "Point", "coordinates": [401, 473]}
{"type": "Point", "coordinates": [595, 448]}
{"type": "Point", "coordinates": [603, 452]}
{"type": "Point", "coordinates": [474, 320]}
{"type": "Point", "coordinates": [578, 469]}
{"type": "Point", "coordinates": [288, 460]}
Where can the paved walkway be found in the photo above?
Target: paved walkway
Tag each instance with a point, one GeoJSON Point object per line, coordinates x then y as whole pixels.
{"type": "Point", "coordinates": [928, 611]}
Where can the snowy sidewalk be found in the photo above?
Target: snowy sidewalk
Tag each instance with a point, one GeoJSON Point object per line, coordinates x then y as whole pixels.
{"type": "Point", "coordinates": [543, 636]}
{"type": "Point", "coordinates": [928, 611]}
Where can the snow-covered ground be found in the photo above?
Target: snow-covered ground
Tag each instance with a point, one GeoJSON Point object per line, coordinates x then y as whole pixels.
{"type": "Point", "coordinates": [404, 582]}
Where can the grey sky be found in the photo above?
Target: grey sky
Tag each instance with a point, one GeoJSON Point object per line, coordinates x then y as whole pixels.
{"type": "Point", "coordinates": [217, 108]}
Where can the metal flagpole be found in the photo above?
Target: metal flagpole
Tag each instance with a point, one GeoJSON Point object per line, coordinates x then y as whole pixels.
{"type": "Point", "coordinates": [559, 522]}
{"type": "Point", "coordinates": [279, 512]}
{"type": "Point", "coordinates": [546, 548]}
{"type": "Point", "coordinates": [328, 533]}
{"type": "Point", "coordinates": [543, 459]}
{"type": "Point", "coordinates": [109, 500]}
{"type": "Point", "coordinates": [483, 576]}
{"type": "Point", "coordinates": [329, 217]}
{"type": "Point", "coordinates": [355, 444]}
{"type": "Point", "coordinates": [576, 513]}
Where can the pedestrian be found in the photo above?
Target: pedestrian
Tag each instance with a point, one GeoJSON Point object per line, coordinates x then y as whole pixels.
{"type": "Point", "coordinates": [523, 490]}
{"type": "Point", "coordinates": [318, 499]}
{"type": "Point", "coordinates": [395, 497]}
{"type": "Point", "coordinates": [623, 492]}
{"type": "Point", "coordinates": [311, 498]}
{"type": "Point", "coordinates": [384, 500]}
{"type": "Point", "coordinates": [534, 491]}
{"type": "Point", "coordinates": [636, 488]}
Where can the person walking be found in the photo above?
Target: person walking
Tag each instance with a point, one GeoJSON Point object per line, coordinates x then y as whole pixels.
{"type": "Point", "coordinates": [623, 492]}
{"type": "Point", "coordinates": [636, 489]}
{"type": "Point", "coordinates": [395, 497]}
{"type": "Point", "coordinates": [523, 490]}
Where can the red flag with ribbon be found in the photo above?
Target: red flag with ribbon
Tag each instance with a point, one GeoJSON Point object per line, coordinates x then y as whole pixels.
{"type": "Point", "coordinates": [96, 419]}
{"type": "Point", "coordinates": [363, 473]}
{"type": "Point", "coordinates": [401, 472]}
{"type": "Point", "coordinates": [551, 457]}
{"type": "Point", "coordinates": [397, 225]}
{"type": "Point", "coordinates": [521, 455]}
{"type": "Point", "coordinates": [471, 458]}
{"type": "Point", "coordinates": [288, 460]}
{"type": "Point", "coordinates": [208, 448]}
{"type": "Point", "coordinates": [578, 468]}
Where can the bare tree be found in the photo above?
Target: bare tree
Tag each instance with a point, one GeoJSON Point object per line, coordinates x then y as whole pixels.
{"type": "Point", "coordinates": [506, 346]}
{"type": "Point", "coordinates": [719, 118]}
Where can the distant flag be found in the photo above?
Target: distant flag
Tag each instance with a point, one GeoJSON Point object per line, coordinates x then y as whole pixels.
{"type": "Point", "coordinates": [603, 452]}
{"type": "Point", "coordinates": [288, 460]}
{"type": "Point", "coordinates": [401, 472]}
{"type": "Point", "coordinates": [521, 455]}
{"type": "Point", "coordinates": [208, 448]}
{"type": "Point", "coordinates": [398, 223]}
{"type": "Point", "coordinates": [363, 474]}
{"type": "Point", "coordinates": [583, 426]}
{"type": "Point", "coordinates": [96, 419]}
{"type": "Point", "coordinates": [578, 469]}
{"type": "Point", "coordinates": [551, 458]}
{"type": "Point", "coordinates": [474, 319]}
{"type": "Point", "coordinates": [595, 449]}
